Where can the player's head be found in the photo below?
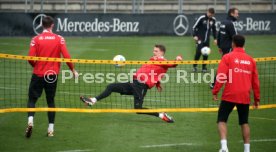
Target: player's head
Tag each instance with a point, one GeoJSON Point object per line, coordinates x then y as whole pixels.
{"type": "Point", "coordinates": [210, 12]}
{"type": "Point", "coordinates": [159, 50]}
{"type": "Point", "coordinates": [234, 12]}
{"type": "Point", "coordinates": [238, 41]}
{"type": "Point", "coordinates": [48, 22]}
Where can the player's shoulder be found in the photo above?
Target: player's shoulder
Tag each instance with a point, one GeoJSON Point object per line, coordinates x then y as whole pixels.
{"type": "Point", "coordinates": [61, 38]}
{"type": "Point", "coordinates": [58, 36]}
{"type": "Point", "coordinates": [36, 37]}
{"type": "Point", "coordinates": [201, 17]}
{"type": "Point", "coordinates": [213, 18]}
{"type": "Point", "coordinates": [228, 22]}
{"type": "Point", "coordinates": [162, 58]}
{"type": "Point", "coordinates": [157, 58]}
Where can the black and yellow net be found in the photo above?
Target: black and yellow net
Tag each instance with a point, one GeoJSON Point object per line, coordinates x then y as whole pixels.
{"type": "Point", "coordinates": [183, 89]}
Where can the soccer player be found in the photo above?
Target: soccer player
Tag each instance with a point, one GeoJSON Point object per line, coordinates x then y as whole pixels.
{"type": "Point", "coordinates": [239, 73]}
{"type": "Point", "coordinates": [201, 34]}
{"type": "Point", "coordinates": [45, 73]}
{"type": "Point", "coordinates": [146, 77]}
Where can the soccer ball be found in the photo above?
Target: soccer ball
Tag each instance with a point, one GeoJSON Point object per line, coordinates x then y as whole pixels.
{"type": "Point", "coordinates": [119, 58]}
{"type": "Point", "coordinates": [205, 51]}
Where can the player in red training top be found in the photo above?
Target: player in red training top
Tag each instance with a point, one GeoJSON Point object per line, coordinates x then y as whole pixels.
{"type": "Point", "coordinates": [148, 76]}
{"type": "Point", "coordinates": [45, 73]}
{"type": "Point", "coordinates": [239, 73]}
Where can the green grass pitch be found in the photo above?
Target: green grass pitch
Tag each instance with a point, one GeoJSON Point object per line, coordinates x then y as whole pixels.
{"type": "Point", "coordinates": [130, 132]}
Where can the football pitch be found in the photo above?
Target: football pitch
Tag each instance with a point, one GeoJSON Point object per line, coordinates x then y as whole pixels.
{"type": "Point", "coordinates": [115, 132]}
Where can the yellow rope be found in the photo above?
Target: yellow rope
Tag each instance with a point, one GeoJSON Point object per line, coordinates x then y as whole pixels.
{"type": "Point", "coordinates": [20, 57]}
{"type": "Point", "coordinates": [120, 110]}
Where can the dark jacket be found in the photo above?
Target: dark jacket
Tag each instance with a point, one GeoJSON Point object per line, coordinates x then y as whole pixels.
{"type": "Point", "coordinates": [202, 28]}
{"type": "Point", "coordinates": [226, 31]}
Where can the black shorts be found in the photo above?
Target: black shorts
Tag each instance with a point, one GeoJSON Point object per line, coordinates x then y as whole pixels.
{"type": "Point", "coordinates": [226, 108]}
{"type": "Point", "coordinates": [37, 85]}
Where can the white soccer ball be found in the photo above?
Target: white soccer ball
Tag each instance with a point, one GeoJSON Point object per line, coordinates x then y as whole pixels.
{"type": "Point", "coordinates": [119, 58]}
{"type": "Point", "coordinates": [205, 51]}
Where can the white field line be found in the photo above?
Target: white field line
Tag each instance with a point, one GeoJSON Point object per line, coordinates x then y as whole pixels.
{"type": "Point", "coordinates": [263, 118]}
{"type": "Point", "coordinates": [8, 88]}
{"type": "Point", "coordinates": [65, 92]}
{"type": "Point", "coordinates": [262, 140]}
{"type": "Point", "coordinates": [213, 105]}
{"type": "Point", "coordinates": [77, 150]}
{"type": "Point", "coordinates": [168, 145]}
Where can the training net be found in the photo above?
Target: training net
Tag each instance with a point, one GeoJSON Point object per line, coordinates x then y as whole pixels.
{"type": "Point", "coordinates": [182, 87]}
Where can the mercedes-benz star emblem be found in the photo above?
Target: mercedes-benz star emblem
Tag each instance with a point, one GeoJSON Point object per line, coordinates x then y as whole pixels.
{"type": "Point", "coordinates": [180, 25]}
{"type": "Point", "coordinates": [37, 23]}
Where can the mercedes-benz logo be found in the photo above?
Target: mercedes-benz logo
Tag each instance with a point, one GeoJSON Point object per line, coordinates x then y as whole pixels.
{"type": "Point", "coordinates": [180, 25]}
{"type": "Point", "coordinates": [37, 23]}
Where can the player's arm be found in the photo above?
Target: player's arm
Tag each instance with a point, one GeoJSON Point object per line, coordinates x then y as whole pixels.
{"type": "Point", "coordinates": [232, 30]}
{"type": "Point", "coordinates": [218, 38]}
{"type": "Point", "coordinates": [158, 86]}
{"type": "Point", "coordinates": [66, 55]}
{"type": "Point", "coordinates": [32, 51]}
{"type": "Point", "coordinates": [214, 31]}
{"type": "Point", "coordinates": [195, 28]}
{"type": "Point", "coordinates": [178, 58]}
{"type": "Point", "coordinates": [222, 76]}
{"type": "Point", "coordinates": [255, 85]}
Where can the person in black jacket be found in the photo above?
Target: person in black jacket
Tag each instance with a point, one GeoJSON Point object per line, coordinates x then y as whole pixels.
{"type": "Point", "coordinates": [227, 30]}
{"type": "Point", "coordinates": [201, 34]}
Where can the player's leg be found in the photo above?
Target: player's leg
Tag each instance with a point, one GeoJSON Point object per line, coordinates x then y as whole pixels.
{"type": "Point", "coordinates": [204, 66]}
{"type": "Point", "coordinates": [122, 88]}
{"type": "Point", "coordinates": [35, 91]}
{"type": "Point", "coordinates": [50, 91]}
{"type": "Point", "coordinates": [224, 111]}
{"type": "Point", "coordinates": [139, 92]}
{"type": "Point", "coordinates": [224, 51]}
{"type": "Point", "coordinates": [243, 112]}
{"type": "Point", "coordinates": [205, 57]}
{"type": "Point", "coordinates": [197, 56]}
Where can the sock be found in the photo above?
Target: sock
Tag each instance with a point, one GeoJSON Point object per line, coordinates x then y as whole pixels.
{"type": "Point", "coordinates": [94, 100]}
{"type": "Point", "coordinates": [51, 127]}
{"type": "Point", "coordinates": [31, 120]}
{"type": "Point", "coordinates": [223, 143]}
{"type": "Point", "coordinates": [161, 115]}
{"type": "Point", "coordinates": [246, 147]}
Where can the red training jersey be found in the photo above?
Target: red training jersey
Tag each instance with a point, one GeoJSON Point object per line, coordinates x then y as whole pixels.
{"type": "Point", "coordinates": [151, 74]}
{"type": "Point", "coordinates": [241, 75]}
{"type": "Point", "coordinates": [48, 44]}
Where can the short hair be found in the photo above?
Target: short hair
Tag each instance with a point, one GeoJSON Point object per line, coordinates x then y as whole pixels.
{"type": "Point", "coordinates": [232, 10]}
{"type": "Point", "coordinates": [47, 21]}
{"type": "Point", "coordinates": [161, 47]}
{"type": "Point", "coordinates": [211, 10]}
{"type": "Point", "coordinates": [238, 40]}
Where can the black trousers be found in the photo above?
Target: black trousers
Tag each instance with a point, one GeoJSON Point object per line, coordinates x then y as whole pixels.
{"type": "Point", "coordinates": [224, 51]}
{"type": "Point", "coordinates": [198, 54]}
{"type": "Point", "coordinates": [36, 87]}
{"type": "Point", "coordinates": [136, 89]}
